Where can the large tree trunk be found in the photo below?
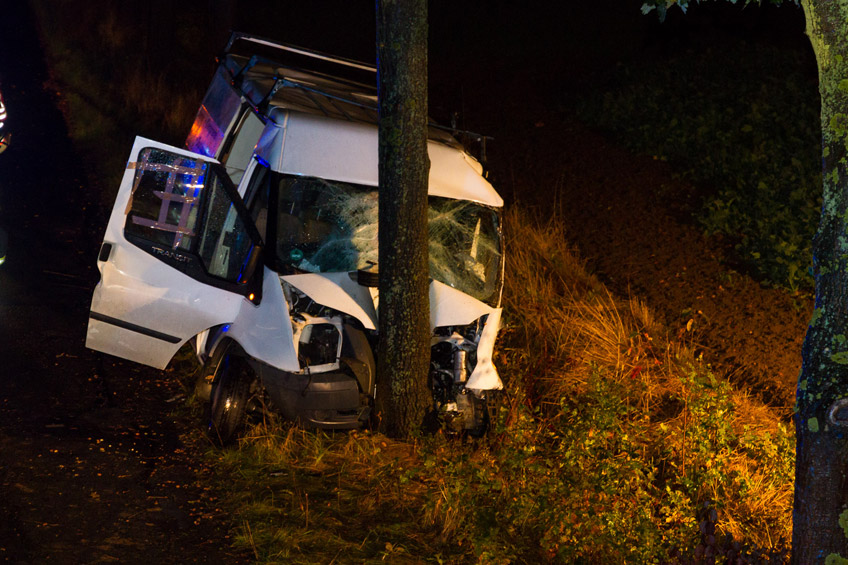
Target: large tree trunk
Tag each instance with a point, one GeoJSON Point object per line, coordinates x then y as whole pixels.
{"type": "Point", "coordinates": [404, 349]}
{"type": "Point", "coordinates": [820, 520]}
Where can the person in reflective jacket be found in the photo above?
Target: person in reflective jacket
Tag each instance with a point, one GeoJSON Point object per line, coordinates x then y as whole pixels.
{"type": "Point", "coordinates": [5, 136]}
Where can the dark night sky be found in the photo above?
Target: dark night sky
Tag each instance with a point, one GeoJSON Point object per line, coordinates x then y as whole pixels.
{"type": "Point", "coordinates": [579, 35]}
{"type": "Point", "coordinates": [554, 46]}
{"type": "Point", "coordinates": [557, 43]}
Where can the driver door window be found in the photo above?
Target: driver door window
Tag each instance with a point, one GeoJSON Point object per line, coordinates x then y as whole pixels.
{"type": "Point", "coordinates": [185, 212]}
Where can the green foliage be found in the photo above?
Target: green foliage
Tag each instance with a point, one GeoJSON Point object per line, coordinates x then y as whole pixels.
{"type": "Point", "coordinates": [745, 130]}
{"type": "Point", "coordinates": [593, 483]}
{"type": "Point", "coordinates": [572, 488]}
{"type": "Point", "coordinates": [662, 6]}
{"type": "Point", "coordinates": [835, 559]}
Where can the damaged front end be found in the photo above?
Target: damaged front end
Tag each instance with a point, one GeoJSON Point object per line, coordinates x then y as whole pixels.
{"type": "Point", "coordinates": [335, 382]}
{"type": "Point", "coordinates": [453, 361]}
{"type": "Point", "coordinates": [325, 235]}
{"type": "Point", "coordinates": [335, 349]}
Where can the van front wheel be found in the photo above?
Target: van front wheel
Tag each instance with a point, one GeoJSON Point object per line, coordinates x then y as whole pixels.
{"type": "Point", "coordinates": [233, 393]}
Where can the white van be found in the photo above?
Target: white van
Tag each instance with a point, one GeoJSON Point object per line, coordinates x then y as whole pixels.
{"type": "Point", "coordinates": [259, 243]}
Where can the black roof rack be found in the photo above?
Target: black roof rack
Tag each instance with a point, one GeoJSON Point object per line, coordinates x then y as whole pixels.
{"type": "Point", "coordinates": [287, 76]}
{"type": "Point", "coordinates": [358, 72]}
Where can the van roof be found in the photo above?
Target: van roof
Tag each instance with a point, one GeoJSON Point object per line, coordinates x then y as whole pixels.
{"type": "Point", "coordinates": [326, 125]}
{"type": "Point", "coordinates": [268, 85]}
{"type": "Point", "coordinates": [306, 144]}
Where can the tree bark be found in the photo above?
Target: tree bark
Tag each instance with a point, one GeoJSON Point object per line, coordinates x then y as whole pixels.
{"type": "Point", "coordinates": [820, 516]}
{"type": "Point", "coordinates": [404, 348]}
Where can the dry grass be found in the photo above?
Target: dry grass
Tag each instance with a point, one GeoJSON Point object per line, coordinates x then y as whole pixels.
{"type": "Point", "coordinates": [553, 475]}
{"type": "Point", "coordinates": [574, 327]}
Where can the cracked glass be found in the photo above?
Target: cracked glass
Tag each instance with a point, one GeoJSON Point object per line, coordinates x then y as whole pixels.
{"type": "Point", "coordinates": [327, 226]}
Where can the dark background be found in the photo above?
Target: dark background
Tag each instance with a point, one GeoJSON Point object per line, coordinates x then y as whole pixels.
{"type": "Point", "coordinates": [93, 462]}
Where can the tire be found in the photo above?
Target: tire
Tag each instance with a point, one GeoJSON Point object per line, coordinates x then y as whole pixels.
{"type": "Point", "coordinates": [233, 393]}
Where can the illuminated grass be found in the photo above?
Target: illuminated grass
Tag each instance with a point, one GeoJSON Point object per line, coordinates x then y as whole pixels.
{"type": "Point", "coordinates": [609, 441]}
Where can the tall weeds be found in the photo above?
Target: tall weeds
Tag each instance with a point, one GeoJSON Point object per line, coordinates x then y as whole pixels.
{"type": "Point", "coordinates": [611, 442]}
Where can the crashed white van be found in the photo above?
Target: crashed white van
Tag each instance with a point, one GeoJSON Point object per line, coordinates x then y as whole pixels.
{"type": "Point", "coordinates": [259, 244]}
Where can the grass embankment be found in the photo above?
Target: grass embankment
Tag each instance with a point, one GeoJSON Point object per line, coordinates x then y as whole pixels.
{"type": "Point", "coordinates": [611, 442]}
{"type": "Point", "coordinates": [741, 121]}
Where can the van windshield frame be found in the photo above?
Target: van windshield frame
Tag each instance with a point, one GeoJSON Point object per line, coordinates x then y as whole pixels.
{"type": "Point", "coordinates": [316, 225]}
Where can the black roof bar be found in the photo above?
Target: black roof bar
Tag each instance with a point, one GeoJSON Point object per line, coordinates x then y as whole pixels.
{"type": "Point", "coordinates": [283, 82]}
{"type": "Point", "coordinates": [270, 43]}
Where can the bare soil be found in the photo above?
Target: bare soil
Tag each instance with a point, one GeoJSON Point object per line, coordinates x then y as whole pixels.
{"type": "Point", "coordinates": [628, 228]}
{"type": "Point", "coordinates": [632, 223]}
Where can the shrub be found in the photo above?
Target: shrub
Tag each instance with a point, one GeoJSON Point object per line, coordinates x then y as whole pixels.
{"type": "Point", "coordinates": [745, 130]}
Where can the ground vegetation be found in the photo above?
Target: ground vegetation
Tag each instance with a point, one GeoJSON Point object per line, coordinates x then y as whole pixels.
{"type": "Point", "coordinates": [616, 439]}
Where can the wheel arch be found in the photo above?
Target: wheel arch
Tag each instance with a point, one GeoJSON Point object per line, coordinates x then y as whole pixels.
{"type": "Point", "coordinates": [213, 355]}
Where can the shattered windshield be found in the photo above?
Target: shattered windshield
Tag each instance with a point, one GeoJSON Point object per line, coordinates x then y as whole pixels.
{"type": "Point", "coordinates": [465, 247]}
{"type": "Point", "coordinates": [327, 226]}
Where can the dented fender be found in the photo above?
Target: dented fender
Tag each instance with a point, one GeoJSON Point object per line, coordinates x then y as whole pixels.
{"type": "Point", "coordinates": [448, 307]}
{"type": "Point", "coordinates": [485, 376]}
